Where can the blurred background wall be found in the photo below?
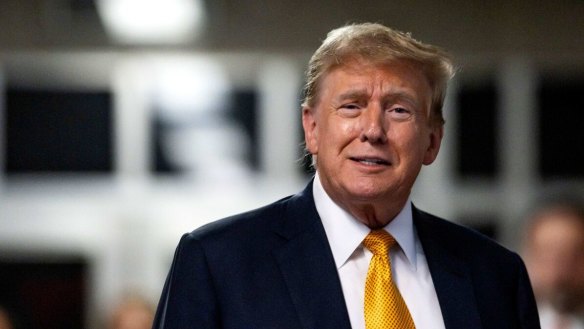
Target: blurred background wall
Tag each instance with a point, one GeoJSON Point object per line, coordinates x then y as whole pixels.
{"type": "Point", "coordinates": [127, 123]}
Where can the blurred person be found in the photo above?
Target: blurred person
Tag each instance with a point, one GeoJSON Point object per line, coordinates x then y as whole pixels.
{"type": "Point", "coordinates": [553, 248]}
{"type": "Point", "coordinates": [5, 319]}
{"type": "Point", "coordinates": [132, 312]}
{"type": "Point", "coordinates": [350, 250]}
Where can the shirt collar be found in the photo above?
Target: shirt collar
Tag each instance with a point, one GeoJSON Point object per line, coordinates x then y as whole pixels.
{"type": "Point", "coordinates": [345, 233]}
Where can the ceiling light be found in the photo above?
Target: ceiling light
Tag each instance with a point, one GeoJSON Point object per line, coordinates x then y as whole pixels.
{"type": "Point", "coordinates": [152, 21]}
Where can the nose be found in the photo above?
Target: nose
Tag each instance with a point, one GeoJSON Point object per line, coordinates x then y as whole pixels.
{"type": "Point", "coordinates": [373, 128]}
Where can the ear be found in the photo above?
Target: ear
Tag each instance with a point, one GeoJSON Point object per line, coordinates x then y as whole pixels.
{"type": "Point", "coordinates": [436, 134]}
{"type": "Point", "coordinates": [310, 131]}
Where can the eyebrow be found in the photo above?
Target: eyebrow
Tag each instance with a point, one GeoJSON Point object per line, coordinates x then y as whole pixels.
{"type": "Point", "coordinates": [353, 94]}
{"type": "Point", "coordinates": [361, 93]}
{"type": "Point", "coordinates": [404, 96]}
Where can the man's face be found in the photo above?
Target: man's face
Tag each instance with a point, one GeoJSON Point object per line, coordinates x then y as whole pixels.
{"type": "Point", "coordinates": [555, 260]}
{"type": "Point", "coordinates": [370, 131]}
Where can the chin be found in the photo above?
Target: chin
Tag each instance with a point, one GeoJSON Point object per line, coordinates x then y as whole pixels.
{"type": "Point", "coordinates": [368, 192]}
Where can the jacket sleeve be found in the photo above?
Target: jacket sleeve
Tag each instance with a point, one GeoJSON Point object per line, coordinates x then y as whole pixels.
{"type": "Point", "coordinates": [188, 298]}
{"type": "Point", "coordinates": [528, 315]}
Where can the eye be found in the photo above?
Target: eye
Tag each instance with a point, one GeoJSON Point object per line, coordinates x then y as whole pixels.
{"type": "Point", "coordinates": [349, 109]}
{"type": "Point", "coordinates": [350, 106]}
{"type": "Point", "coordinates": [400, 113]}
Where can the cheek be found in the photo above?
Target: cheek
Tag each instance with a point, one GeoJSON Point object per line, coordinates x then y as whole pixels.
{"type": "Point", "coordinates": [348, 129]}
{"type": "Point", "coordinates": [337, 133]}
{"type": "Point", "coordinates": [410, 142]}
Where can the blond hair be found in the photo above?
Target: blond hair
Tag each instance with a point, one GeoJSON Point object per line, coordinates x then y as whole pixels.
{"type": "Point", "coordinates": [379, 44]}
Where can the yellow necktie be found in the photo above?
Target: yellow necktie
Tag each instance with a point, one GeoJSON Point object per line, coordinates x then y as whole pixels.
{"type": "Point", "coordinates": [384, 305]}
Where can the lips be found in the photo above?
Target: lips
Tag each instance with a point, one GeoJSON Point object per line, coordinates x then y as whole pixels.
{"type": "Point", "coordinates": [371, 161]}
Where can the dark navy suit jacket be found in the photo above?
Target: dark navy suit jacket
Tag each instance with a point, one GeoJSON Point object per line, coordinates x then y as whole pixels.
{"type": "Point", "coordinates": [273, 268]}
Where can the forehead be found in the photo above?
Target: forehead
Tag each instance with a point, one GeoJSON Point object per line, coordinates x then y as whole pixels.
{"type": "Point", "coordinates": [396, 76]}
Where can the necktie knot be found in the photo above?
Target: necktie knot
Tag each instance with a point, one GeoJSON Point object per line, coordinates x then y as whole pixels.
{"type": "Point", "coordinates": [379, 242]}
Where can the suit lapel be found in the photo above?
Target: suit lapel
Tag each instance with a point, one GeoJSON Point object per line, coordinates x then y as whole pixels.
{"type": "Point", "coordinates": [309, 271]}
{"type": "Point", "coordinates": [308, 266]}
{"type": "Point", "coordinates": [450, 275]}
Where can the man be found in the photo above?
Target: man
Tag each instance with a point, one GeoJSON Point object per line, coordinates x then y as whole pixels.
{"type": "Point", "coordinates": [319, 259]}
{"type": "Point", "coordinates": [5, 320]}
{"type": "Point", "coordinates": [553, 247]}
{"type": "Point", "coordinates": [132, 312]}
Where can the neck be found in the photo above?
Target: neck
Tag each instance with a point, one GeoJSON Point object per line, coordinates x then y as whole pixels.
{"type": "Point", "coordinates": [375, 216]}
{"type": "Point", "coordinates": [373, 211]}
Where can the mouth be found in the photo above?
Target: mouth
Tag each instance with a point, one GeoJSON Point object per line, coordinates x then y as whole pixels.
{"type": "Point", "coordinates": [371, 161]}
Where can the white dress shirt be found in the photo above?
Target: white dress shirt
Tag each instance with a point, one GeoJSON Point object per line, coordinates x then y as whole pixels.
{"type": "Point", "coordinates": [409, 267]}
{"type": "Point", "coordinates": [550, 319]}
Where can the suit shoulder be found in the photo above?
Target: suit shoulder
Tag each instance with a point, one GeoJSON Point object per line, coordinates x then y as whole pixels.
{"type": "Point", "coordinates": [460, 238]}
{"type": "Point", "coordinates": [249, 223]}
{"type": "Point", "coordinates": [246, 238]}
